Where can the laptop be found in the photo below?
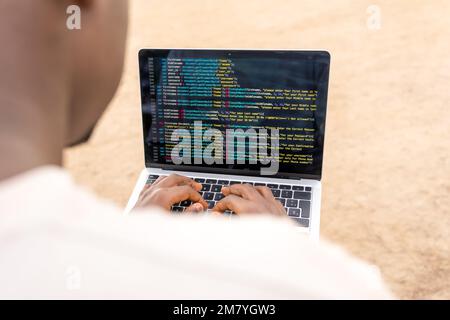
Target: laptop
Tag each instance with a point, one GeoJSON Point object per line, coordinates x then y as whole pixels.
{"type": "Point", "coordinates": [224, 117]}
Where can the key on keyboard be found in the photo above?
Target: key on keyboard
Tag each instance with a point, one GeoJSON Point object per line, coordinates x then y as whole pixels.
{"type": "Point", "coordinates": [208, 195]}
{"type": "Point", "coordinates": [291, 203]}
{"type": "Point", "coordinates": [286, 194]}
{"type": "Point", "coordinates": [302, 222]}
{"type": "Point", "coordinates": [218, 196]}
{"type": "Point", "coordinates": [185, 203]}
{"type": "Point", "coordinates": [206, 187]}
{"type": "Point", "coordinates": [302, 195]}
{"type": "Point", "coordinates": [216, 188]}
{"type": "Point", "coordinates": [294, 212]}
{"type": "Point", "coordinates": [305, 206]}
{"type": "Point", "coordinates": [151, 178]}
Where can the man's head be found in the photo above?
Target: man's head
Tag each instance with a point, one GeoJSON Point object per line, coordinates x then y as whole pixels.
{"type": "Point", "coordinates": [61, 78]}
{"type": "Point", "coordinates": [98, 53]}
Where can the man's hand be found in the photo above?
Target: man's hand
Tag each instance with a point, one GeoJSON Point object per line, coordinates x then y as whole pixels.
{"type": "Point", "coordinates": [245, 198]}
{"type": "Point", "coordinates": [240, 198]}
{"type": "Point", "coordinates": [167, 191]}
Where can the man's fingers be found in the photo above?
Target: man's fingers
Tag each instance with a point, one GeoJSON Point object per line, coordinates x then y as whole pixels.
{"type": "Point", "coordinates": [231, 202]}
{"type": "Point", "coordinates": [216, 213]}
{"type": "Point", "coordinates": [177, 180]}
{"type": "Point", "coordinates": [158, 180]}
{"type": "Point", "coordinates": [281, 208]}
{"type": "Point", "coordinates": [144, 190]}
{"type": "Point", "coordinates": [174, 180]}
{"type": "Point", "coordinates": [195, 208]}
{"type": "Point", "coordinates": [182, 193]}
{"type": "Point", "coordinates": [265, 192]}
{"type": "Point", "coordinates": [245, 191]}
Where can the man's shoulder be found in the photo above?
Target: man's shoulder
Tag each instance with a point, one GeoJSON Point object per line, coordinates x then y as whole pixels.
{"type": "Point", "coordinates": [46, 193]}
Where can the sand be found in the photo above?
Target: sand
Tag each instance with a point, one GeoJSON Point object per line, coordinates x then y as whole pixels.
{"type": "Point", "coordinates": [387, 156]}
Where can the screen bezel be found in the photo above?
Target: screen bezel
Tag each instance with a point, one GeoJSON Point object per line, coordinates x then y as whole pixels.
{"type": "Point", "coordinates": [144, 54]}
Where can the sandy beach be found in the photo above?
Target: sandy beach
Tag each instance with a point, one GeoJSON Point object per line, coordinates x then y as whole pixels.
{"type": "Point", "coordinates": [386, 179]}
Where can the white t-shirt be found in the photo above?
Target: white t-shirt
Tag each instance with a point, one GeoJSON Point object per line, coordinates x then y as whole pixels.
{"type": "Point", "coordinates": [59, 241]}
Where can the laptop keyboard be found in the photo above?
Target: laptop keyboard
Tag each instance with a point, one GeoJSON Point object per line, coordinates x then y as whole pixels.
{"type": "Point", "coordinates": [296, 199]}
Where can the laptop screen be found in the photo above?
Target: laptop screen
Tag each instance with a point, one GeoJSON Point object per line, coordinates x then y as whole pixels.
{"type": "Point", "coordinates": [239, 112]}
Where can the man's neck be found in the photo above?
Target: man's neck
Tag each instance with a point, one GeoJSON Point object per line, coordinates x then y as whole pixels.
{"type": "Point", "coordinates": [19, 156]}
{"type": "Point", "coordinates": [31, 136]}
{"type": "Point", "coordinates": [35, 87]}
